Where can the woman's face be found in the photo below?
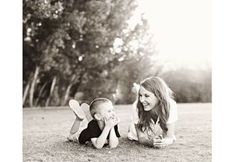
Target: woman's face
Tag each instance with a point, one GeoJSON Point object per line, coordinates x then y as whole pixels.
{"type": "Point", "coordinates": [147, 99]}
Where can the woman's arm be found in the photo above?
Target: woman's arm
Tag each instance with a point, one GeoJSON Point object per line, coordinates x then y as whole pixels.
{"type": "Point", "coordinates": [143, 138]}
{"type": "Point", "coordinates": [167, 139]}
{"type": "Point", "coordinates": [171, 131]}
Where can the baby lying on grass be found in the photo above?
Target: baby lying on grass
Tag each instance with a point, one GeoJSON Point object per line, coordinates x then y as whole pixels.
{"type": "Point", "coordinates": [102, 127]}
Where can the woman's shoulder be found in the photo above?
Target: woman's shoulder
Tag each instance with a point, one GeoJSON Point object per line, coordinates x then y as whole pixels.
{"type": "Point", "coordinates": [173, 112]}
{"type": "Point", "coordinates": [173, 104]}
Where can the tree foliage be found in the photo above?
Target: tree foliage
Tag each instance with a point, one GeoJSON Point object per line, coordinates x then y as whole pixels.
{"type": "Point", "coordinates": [78, 46]}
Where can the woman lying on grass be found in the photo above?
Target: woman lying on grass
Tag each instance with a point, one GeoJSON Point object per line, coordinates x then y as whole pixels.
{"type": "Point", "coordinates": [154, 115]}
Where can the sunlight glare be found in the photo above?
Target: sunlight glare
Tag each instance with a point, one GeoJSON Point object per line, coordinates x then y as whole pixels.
{"type": "Point", "coordinates": [182, 29]}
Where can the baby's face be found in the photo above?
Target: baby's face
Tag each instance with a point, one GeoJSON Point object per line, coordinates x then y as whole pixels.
{"type": "Point", "coordinates": [106, 110]}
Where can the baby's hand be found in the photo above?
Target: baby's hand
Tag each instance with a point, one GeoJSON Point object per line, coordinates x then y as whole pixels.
{"type": "Point", "coordinates": [115, 118]}
{"type": "Point", "coordinates": [112, 121]}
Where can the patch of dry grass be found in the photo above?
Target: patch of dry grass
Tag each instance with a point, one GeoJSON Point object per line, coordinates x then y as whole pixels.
{"type": "Point", "coordinates": [45, 130]}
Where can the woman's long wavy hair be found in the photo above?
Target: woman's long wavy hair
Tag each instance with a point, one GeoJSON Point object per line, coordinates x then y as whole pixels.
{"type": "Point", "coordinates": [164, 95]}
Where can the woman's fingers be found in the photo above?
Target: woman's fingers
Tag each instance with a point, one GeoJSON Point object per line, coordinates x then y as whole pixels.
{"type": "Point", "coordinates": [159, 145]}
{"type": "Point", "coordinates": [162, 142]}
{"type": "Point", "coordinates": [158, 139]}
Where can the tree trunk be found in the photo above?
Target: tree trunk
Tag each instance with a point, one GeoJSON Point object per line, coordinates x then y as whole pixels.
{"type": "Point", "coordinates": [51, 90]}
{"type": "Point", "coordinates": [40, 93]}
{"type": "Point", "coordinates": [32, 87]}
{"type": "Point", "coordinates": [67, 95]}
{"type": "Point", "coordinates": [26, 92]}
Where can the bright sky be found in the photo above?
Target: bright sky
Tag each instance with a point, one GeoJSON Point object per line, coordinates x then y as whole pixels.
{"type": "Point", "coordinates": [182, 29]}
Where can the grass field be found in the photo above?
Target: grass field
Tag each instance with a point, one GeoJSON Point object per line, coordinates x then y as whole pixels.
{"type": "Point", "coordinates": [45, 131]}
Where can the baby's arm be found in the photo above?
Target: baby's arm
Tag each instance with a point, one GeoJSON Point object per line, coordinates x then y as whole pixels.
{"type": "Point", "coordinates": [100, 141]}
{"type": "Point", "coordinates": [113, 139]}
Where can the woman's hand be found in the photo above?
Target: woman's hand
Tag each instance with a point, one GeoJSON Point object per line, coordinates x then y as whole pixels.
{"type": "Point", "coordinates": [160, 142]}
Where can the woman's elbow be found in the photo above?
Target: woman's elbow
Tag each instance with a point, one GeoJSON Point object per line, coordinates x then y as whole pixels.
{"type": "Point", "coordinates": [142, 140]}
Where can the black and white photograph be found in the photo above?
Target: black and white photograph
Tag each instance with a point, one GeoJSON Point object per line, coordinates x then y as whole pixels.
{"type": "Point", "coordinates": [115, 80]}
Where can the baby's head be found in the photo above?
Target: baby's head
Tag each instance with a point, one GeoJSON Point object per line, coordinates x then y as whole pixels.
{"type": "Point", "coordinates": [101, 108]}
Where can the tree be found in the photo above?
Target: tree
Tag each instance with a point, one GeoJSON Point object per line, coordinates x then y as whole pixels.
{"type": "Point", "coordinates": [77, 45]}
